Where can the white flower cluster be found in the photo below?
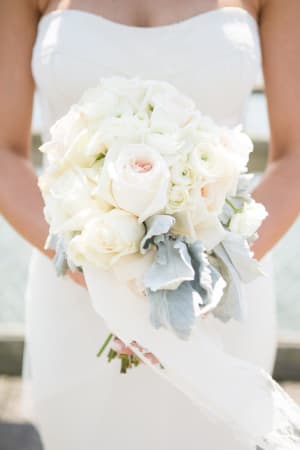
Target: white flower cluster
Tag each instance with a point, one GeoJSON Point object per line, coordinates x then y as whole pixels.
{"type": "Point", "coordinates": [131, 149]}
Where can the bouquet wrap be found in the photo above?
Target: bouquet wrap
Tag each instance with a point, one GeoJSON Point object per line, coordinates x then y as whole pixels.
{"type": "Point", "coordinates": [151, 200]}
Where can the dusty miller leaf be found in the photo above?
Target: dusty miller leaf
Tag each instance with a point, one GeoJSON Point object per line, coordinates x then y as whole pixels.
{"type": "Point", "coordinates": [156, 226]}
{"type": "Point", "coordinates": [239, 253]}
{"type": "Point", "coordinates": [171, 266]}
{"type": "Point", "coordinates": [173, 309]}
{"type": "Point", "coordinates": [208, 282]}
{"type": "Point", "coordinates": [232, 304]}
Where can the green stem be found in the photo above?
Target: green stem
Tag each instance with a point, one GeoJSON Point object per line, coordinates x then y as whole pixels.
{"type": "Point", "coordinates": [107, 341]}
{"type": "Point", "coordinates": [236, 210]}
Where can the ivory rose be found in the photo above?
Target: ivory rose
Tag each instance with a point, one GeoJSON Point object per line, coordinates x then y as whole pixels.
{"type": "Point", "coordinates": [135, 178]}
{"type": "Point", "coordinates": [107, 238]}
{"type": "Point", "coordinates": [68, 200]}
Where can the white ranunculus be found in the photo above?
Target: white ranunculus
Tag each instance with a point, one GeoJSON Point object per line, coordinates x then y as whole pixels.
{"type": "Point", "coordinates": [68, 201]}
{"type": "Point", "coordinates": [135, 178]}
{"type": "Point", "coordinates": [183, 173]}
{"type": "Point", "coordinates": [249, 220]}
{"type": "Point", "coordinates": [106, 239]}
{"type": "Point", "coordinates": [178, 199]}
{"type": "Point", "coordinates": [213, 162]}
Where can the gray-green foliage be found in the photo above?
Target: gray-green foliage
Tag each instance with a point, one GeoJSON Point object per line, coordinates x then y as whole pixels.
{"type": "Point", "coordinates": [179, 277]}
{"type": "Point", "coordinates": [60, 259]}
{"type": "Point", "coordinates": [233, 258]}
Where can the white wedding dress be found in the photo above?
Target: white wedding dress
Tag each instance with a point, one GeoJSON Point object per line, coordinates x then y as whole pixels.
{"type": "Point", "coordinates": [80, 401]}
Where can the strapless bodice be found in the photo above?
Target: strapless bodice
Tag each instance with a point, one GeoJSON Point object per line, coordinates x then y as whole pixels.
{"type": "Point", "coordinates": [213, 57]}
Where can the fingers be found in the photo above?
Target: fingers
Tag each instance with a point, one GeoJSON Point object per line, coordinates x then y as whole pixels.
{"type": "Point", "coordinates": [147, 354]}
{"type": "Point", "coordinates": [77, 277]}
{"type": "Point", "coordinates": [120, 347]}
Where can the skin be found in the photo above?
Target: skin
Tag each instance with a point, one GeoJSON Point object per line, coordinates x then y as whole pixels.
{"type": "Point", "coordinates": [20, 200]}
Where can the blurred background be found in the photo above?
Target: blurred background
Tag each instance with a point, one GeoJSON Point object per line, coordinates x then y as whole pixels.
{"type": "Point", "coordinates": [14, 259]}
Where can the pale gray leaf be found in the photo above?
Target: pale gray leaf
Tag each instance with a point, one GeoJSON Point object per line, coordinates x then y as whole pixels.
{"type": "Point", "coordinates": [239, 253]}
{"type": "Point", "coordinates": [245, 184]}
{"type": "Point", "coordinates": [236, 203]}
{"type": "Point", "coordinates": [156, 225]}
{"type": "Point", "coordinates": [226, 214]}
{"type": "Point", "coordinates": [173, 309]}
{"type": "Point", "coordinates": [60, 259]}
{"type": "Point", "coordinates": [206, 276]}
{"type": "Point", "coordinates": [172, 264]}
{"type": "Point", "coordinates": [232, 304]}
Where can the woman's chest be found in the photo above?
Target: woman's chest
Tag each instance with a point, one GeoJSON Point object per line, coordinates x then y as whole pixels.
{"type": "Point", "coordinates": [213, 57]}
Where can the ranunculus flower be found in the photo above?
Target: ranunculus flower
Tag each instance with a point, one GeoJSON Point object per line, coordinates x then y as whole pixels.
{"type": "Point", "coordinates": [249, 220]}
{"type": "Point", "coordinates": [183, 173]}
{"type": "Point", "coordinates": [106, 239]}
{"type": "Point", "coordinates": [178, 199]}
{"type": "Point", "coordinates": [135, 178]}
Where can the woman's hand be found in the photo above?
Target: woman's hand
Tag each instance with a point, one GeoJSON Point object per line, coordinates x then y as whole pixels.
{"type": "Point", "coordinates": [121, 348]}
{"type": "Point", "coordinates": [77, 277]}
{"type": "Point", "coordinates": [117, 344]}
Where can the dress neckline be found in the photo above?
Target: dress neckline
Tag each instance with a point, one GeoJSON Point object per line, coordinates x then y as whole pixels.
{"type": "Point", "coordinates": [206, 14]}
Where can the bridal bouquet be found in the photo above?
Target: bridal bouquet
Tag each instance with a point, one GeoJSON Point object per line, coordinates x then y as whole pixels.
{"type": "Point", "coordinates": [142, 184]}
{"type": "Point", "coordinates": [151, 200]}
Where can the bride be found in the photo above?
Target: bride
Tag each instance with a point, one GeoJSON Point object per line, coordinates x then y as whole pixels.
{"type": "Point", "coordinates": [211, 50]}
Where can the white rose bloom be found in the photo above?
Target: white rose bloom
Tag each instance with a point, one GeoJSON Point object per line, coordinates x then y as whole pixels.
{"type": "Point", "coordinates": [167, 145]}
{"type": "Point", "coordinates": [239, 144]}
{"type": "Point", "coordinates": [106, 239]}
{"type": "Point", "coordinates": [171, 109]}
{"type": "Point", "coordinates": [178, 199]}
{"type": "Point", "coordinates": [68, 201]}
{"type": "Point", "coordinates": [113, 97]}
{"type": "Point", "coordinates": [249, 220]}
{"type": "Point", "coordinates": [214, 193]}
{"type": "Point", "coordinates": [63, 133]}
{"type": "Point", "coordinates": [135, 178]}
{"type": "Point", "coordinates": [125, 130]}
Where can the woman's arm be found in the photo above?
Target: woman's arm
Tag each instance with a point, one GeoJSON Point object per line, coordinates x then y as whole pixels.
{"type": "Point", "coordinates": [279, 189]}
{"type": "Point", "coordinates": [20, 200]}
